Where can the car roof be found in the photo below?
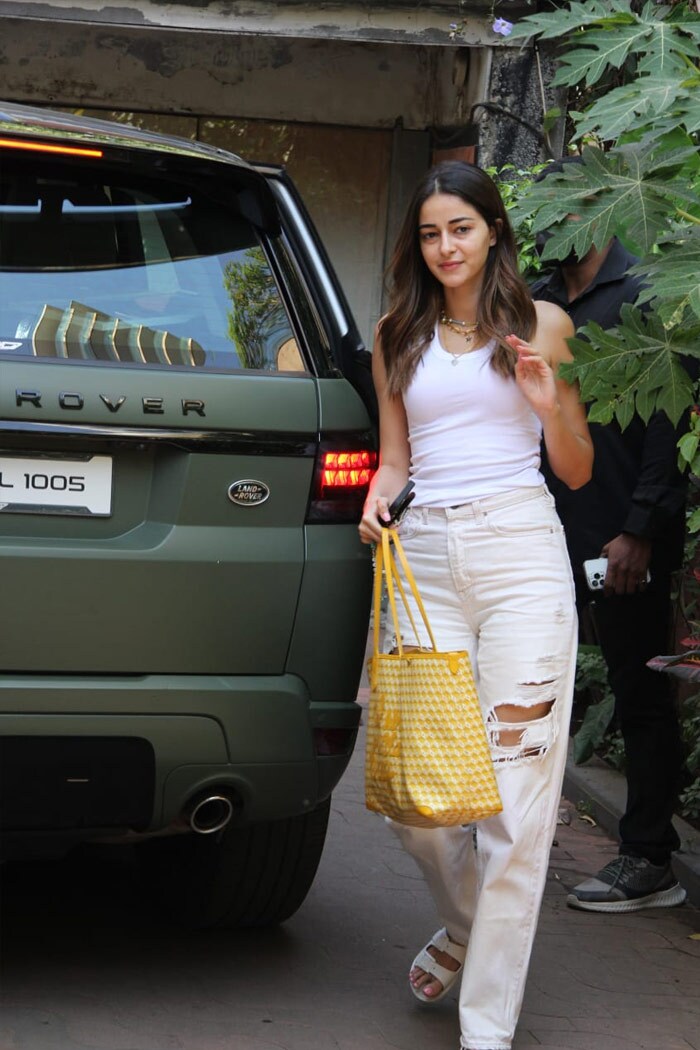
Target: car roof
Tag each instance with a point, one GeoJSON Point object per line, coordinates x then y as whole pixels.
{"type": "Point", "coordinates": [52, 124]}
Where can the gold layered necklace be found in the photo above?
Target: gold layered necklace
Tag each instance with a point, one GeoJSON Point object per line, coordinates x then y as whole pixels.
{"type": "Point", "coordinates": [467, 329]}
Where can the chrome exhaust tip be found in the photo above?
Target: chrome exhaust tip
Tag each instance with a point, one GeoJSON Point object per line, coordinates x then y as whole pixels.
{"type": "Point", "coordinates": [209, 813]}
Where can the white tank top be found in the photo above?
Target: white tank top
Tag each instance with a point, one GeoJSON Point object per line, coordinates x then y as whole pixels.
{"type": "Point", "coordinates": [472, 432]}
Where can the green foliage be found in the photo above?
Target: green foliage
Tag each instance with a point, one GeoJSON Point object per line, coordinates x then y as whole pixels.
{"type": "Point", "coordinates": [613, 750]}
{"type": "Point", "coordinates": [657, 47]}
{"type": "Point", "coordinates": [592, 678]}
{"type": "Point", "coordinates": [639, 181]}
{"type": "Point", "coordinates": [591, 672]}
{"type": "Point", "coordinates": [666, 101]}
{"type": "Point", "coordinates": [685, 666]}
{"type": "Point", "coordinates": [689, 798]}
{"type": "Point", "coordinates": [512, 183]}
{"type": "Point", "coordinates": [690, 801]}
{"type": "Point", "coordinates": [593, 729]}
{"type": "Point", "coordinates": [635, 367]}
{"type": "Point", "coordinates": [633, 70]}
{"type": "Point", "coordinates": [576, 17]}
{"type": "Point", "coordinates": [632, 193]}
{"type": "Point", "coordinates": [673, 277]}
{"type": "Point", "coordinates": [652, 46]}
{"type": "Point", "coordinates": [256, 306]}
{"type": "Point", "coordinates": [689, 455]}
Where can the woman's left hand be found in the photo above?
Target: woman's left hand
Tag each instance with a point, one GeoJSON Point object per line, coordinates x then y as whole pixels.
{"type": "Point", "coordinates": [534, 376]}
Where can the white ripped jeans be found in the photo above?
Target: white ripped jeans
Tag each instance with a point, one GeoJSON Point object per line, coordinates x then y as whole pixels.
{"type": "Point", "coordinates": [495, 579]}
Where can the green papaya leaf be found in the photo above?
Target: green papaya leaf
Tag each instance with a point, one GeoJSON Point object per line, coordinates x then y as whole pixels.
{"type": "Point", "coordinates": [551, 24]}
{"type": "Point", "coordinates": [603, 49]}
{"type": "Point", "coordinates": [659, 380]}
{"type": "Point", "coordinates": [604, 37]}
{"type": "Point", "coordinates": [628, 191]}
{"type": "Point", "coordinates": [673, 275]}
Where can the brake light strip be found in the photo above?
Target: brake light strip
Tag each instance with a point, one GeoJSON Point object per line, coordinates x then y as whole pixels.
{"type": "Point", "coordinates": [42, 147]}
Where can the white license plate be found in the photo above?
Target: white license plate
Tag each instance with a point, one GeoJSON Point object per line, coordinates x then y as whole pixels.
{"type": "Point", "coordinates": [48, 485]}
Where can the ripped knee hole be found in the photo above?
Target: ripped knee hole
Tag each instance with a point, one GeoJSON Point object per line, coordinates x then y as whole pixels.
{"type": "Point", "coordinates": [521, 730]}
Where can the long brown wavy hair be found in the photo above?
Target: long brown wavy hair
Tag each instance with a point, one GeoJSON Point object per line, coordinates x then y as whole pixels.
{"type": "Point", "coordinates": [416, 296]}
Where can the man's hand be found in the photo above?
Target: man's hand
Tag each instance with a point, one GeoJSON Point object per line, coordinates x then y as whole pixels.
{"type": "Point", "coordinates": [628, 563]}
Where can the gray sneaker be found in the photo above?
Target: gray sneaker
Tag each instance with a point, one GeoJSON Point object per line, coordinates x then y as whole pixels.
{"type": "Point", "coordinates": [628, 884]}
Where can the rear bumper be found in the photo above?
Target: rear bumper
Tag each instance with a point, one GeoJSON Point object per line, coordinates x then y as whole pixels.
{"type": "Point", "coordinates": [86, 755]}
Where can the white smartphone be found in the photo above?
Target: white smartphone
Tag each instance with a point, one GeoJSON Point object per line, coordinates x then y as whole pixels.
{"type": "Point", "coordinates": [595, 570]}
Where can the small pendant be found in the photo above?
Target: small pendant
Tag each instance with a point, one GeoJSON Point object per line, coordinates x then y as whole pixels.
{"type": "Point", "coordinates": [455, 360]}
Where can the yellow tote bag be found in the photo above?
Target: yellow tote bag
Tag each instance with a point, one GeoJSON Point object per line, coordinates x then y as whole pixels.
{"type": "Point", "coordinates": [428, 762]}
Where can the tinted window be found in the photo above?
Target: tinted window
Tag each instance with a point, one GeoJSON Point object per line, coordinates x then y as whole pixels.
{"type": "Point", "coordinates": [133, 270]}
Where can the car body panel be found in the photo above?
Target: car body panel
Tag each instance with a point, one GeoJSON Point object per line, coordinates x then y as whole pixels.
{"type": "Point", "coordinates": [249, 733]}
{"type": "Point", "coordinates": [195, 566]}
{"type": "Point", "coordinates": [206, 631]}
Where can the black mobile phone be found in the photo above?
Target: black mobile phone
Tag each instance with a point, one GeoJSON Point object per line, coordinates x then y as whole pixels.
{"type": "Point", "coordinates": [400, 504]}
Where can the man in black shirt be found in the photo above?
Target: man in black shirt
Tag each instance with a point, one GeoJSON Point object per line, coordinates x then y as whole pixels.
{"type": "Point", "coordinates": [632, 512]}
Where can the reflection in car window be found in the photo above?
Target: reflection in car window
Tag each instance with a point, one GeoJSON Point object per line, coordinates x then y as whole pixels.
{"type": "Point", "coordinates": [137, 272]}
{"type": "Point", "coordinates": [258, 325]}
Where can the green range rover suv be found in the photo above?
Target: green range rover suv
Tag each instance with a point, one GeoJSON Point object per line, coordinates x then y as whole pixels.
{"type": "Point", "coordinates": [186, 439]}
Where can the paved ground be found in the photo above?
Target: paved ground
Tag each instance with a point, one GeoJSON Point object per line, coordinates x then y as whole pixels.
{"type": "Point", "coordinates": [86, 965]}
{"type": "Point", "coordinates": [597, 982]}
{"type": "Point", "coordinates": [604, 982]}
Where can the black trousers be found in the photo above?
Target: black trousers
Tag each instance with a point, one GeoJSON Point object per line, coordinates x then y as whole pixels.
{"type": "Point", "coordinates": [631, 629]}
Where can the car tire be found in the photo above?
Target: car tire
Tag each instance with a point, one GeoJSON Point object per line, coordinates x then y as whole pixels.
{"type": "Point", "coordinates": [241, 877]}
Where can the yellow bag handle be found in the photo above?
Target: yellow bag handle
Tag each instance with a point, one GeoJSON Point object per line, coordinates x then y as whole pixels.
{"type": "Point", "coordinates": [393, 578]}
{"type": "Point", "coordinates": [386, 566]}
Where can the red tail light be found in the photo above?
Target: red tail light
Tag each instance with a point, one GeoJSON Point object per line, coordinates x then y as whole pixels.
{"type": "Point", "coordinates": [341, 482]}
{"type": "Point", "coordinates": [347, 470]}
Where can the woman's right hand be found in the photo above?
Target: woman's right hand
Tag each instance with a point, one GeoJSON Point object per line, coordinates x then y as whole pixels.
{"type": "Point", "coordinates": [376, 508]}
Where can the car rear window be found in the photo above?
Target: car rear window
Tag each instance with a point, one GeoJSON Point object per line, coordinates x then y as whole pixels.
{"type": "Point", "coordinates": [134, 270]}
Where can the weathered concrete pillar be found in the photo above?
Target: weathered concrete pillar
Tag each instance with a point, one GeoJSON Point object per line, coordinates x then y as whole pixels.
{"type": "Point", "coordinates": [510, 119]}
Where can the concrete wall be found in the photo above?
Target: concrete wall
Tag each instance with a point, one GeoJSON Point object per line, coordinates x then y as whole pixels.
{"type": "Point", "coordinates": [422, 22]}
{"type": "Point", "coordinates": [334, 82]}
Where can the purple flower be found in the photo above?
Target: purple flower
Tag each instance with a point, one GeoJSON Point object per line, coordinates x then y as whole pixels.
{"type": "Point", "coordinates": [502, 26]}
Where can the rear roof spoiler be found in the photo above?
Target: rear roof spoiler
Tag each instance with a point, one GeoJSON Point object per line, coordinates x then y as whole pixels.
{"type": "Point", "coordinates": [255, 200]}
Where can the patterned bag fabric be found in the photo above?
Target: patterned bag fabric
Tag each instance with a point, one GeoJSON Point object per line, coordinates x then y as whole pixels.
{"type": "Point", "coordinates": [428, 762]}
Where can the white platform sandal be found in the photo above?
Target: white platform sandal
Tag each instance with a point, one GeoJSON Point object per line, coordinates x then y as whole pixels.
{"type": "Point", "coordinates": [425, 961]}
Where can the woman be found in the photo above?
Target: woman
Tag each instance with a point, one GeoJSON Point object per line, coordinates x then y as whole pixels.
{"type": "Point", "coordinates": [465, 367]}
